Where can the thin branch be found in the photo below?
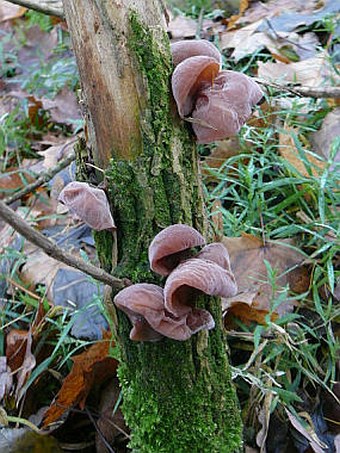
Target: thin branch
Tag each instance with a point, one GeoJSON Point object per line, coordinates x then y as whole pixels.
{"type": "Point", "coordinates": [52, 250]}
{"type": "Point", "coordinates": [50, 7]}
{"type": "Point", "coordinates": [312, 92]}
{"type": "Point", "coordinates": [43, 178]}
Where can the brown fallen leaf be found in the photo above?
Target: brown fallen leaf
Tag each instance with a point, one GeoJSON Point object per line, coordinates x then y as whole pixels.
{"type": "Point", "coordinates": [8, 11]}
{"type": "Point", "coordinates": [64, 108]}
{"type": "Point", "coordinates": [20, 357]}
{"type": "Point", "coordinates": [288, 150]}
{"type": "Point", "coordinates": [255, 294]}
{"type": "Point", "coordinates": [322, 139]}
{"type": "Point", "coordinates": [6, 378]}
{"type": "Point", "coordinates": [92, 366]}
{"type": "Point", "coordinates": [312, 72]}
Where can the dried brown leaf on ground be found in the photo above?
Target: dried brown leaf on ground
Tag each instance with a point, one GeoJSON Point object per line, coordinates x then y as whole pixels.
{"type": "Point", "coordinates": [312, 72]}
{"type": "Point", "coordinates": [288, 137]}
{"type": "Point", "coordinates": [6, 378]}
{"type": "Point", "coordinates": [242, 8]}
{"type": "Point", "coordinates": [262, 10]}
{"type": "Point", "coordinates": [92, 366]}
{"type": "Point", "coordinates": [111, 421]}
{"type": "Point", "coordinates": [223, 151]}
{"type": "Point", "coordinates": [255, 294]}
{"type": "Point", "coordinates": [39, 268]}
{"type": "Point", "coordinates": [9, 11]}
{"type": "Point", "coordinates": [308, 432]}
{"type": "Point", "coordinates": [64, 108]}
{"type": "Point", "coordinates": [20, 357]}
{"type": "Point", "coordinates": [330, 130]}
{"type": "Point", "coordinates": [284, 46]}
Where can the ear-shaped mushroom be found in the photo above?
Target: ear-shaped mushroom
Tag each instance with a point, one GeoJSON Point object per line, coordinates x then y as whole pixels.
{"type": "Point", "coordinates": [182, 50]}
{"type": "Point", "coordinates": [188, 79]}
{"type": "Point", "coordinates": [224, 106]}
{"type": "Point", "coordinates": [144, 305]}
{"type": "Point", "coordinates": [171, 246]}
{"type": "Point", "coordinates": [217, 253]}
{"type": "Point", "coordinates": [193, 276]}
{"type": "Point", "coordinates": [89, 204]}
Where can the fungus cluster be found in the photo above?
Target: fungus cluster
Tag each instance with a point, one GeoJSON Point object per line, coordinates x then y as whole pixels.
{"type": "Point", "coordinates": [217, 102]}
{"type": "Point", "coordinates": [170, 312]}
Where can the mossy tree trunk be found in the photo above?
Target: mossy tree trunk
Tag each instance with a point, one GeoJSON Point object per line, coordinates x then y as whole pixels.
{"type": "Point", "coordinates": [178, 396]}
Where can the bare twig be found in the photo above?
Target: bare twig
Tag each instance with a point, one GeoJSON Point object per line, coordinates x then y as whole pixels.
{"type": "Point", "coordinates": [52, 250]}
{"type": "Point", "coordinates": [42, 179]}
{"type": "Point", "coordinates": [312, 92]}
{"type": "Point", "coordinates": [50, 7]}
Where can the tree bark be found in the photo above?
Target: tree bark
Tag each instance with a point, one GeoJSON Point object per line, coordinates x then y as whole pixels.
{"type": "Point", "coordinates": [178, 396]}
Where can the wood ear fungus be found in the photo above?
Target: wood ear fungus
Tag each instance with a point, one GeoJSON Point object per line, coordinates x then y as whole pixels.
{"type": "Point", "coordinates": [182, 50]}
{"type": "Point", "coordinates": [192, 277]}
{"type": "Point", "coordinates": [189, 77]}
{"type": "Point", "coordinates": [224, 106]}
{"type": "Point", "coordinates": [171, 246]}
{"type": "Point", "coordinates": [143, 303]}
{"type": "Point", "coordinates": [218, 102]}
{"type": "Point", "coordinates": [89, 204]}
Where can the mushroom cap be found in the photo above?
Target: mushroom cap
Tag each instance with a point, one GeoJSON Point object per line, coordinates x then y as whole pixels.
{"type": "Point", "coordinates": [168, 247]}
{"type": "Point", "coordinates": [182, 50]}
{"type": "Point", "coordinates": [193, 276]}
{"type": "Point", "coordinates": [88, 203]}
{"type": "Point", "coordinates": [225, 106]}
{"type": "Point", "coordinates": [143, 303]}
{"type": "Point", "coordinates": [217, 253]}
{"type": "Point", "coordinates": [188, 79]}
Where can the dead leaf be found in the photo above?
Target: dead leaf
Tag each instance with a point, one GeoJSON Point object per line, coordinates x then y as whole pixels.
{"type": "Point", "coordinates": [247, 255]}
{"type": "Point", "coordinates": [64, 108]}
{"type": "Point", "coordinates": [6, 378]}
{"type": "Point", "coordinates": [111, 422]}
{"type": "Point", "coordinates": [283, 45]}
{"type": "Point", "coordinates": [264, 419]}
{"type": "Point", "coordinates": [92, 366]}
{"type": "Point", "coordinates": [233, 19]}
{"type": "Point", "coordinates": [288, 150]}
{"type": "Point", "coordinates": [308, 432]}
{"type": "Point", "coordinates": [25, 370]}
{"type": "Point", "coordinates": [182, 27]}
{"type": "Point", "coordinates": [39, 268]}
{"type": "Point", "coordinates": [19, 357]}
{"type": "Point", "coordinates": [312, 72]}
{"type": "Point", "coordinates": [9, 11]}
{"type": "Point", "coordinates": [14, 179]}
{"type": "Point", "coordinates": [322, 139]}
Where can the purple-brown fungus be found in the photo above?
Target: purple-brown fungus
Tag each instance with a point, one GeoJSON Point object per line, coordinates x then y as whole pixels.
{"type": "Point", "coordinates": [182, 50]}
{"type": "Point", "coordinates": [170, 246]}
{"type": "Point", "coordinates": [143, 303]}
{"type": "Point", "coordinates": [89, 204]}
{"type": "Point", "coordinates": [189, 78]}
{"type": "Point", "coordinates": [193, 277]}
{"type": "Point", "coordinates": [217, 102]}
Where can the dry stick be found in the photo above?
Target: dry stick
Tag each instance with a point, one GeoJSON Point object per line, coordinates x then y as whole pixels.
{"type": "Point", "coordinates": [50, 7]}
{"type": "Point", "coordinates": [52, 250]}
{"type": "Point", "coordinates": [312, 92]}
{"type": "Point", "coordinates": [42, 179]}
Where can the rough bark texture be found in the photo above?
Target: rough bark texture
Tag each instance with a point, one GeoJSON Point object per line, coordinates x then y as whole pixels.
{"type": "Point", "coordinates": [178, 396]}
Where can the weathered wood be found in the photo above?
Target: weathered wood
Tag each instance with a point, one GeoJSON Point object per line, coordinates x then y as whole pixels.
{"type": "Point", "coordinates": [178, 396]}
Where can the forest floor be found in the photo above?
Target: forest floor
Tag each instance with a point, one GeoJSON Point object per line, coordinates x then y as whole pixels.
{"type": "Point", "coordinates": [272, 198]}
